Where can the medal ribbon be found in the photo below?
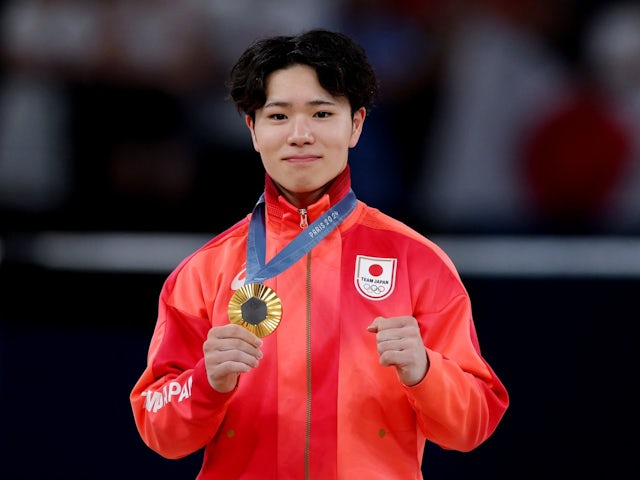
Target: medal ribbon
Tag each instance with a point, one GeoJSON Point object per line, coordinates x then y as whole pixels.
{"type": "Point", "coordinates": [257, 271]}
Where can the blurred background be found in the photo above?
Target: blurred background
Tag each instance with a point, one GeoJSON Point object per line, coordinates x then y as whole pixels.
{"type": "Point", "coordinates": [507, 130]}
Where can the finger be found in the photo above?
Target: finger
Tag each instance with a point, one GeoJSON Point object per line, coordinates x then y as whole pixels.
{"type": "Point", "coordinates": [231, 349]}
{"type": "Point", "coordinates": [390, 358]}
{"type": "Point", "coordinates": [387, 335]}
{"type": "Point", "coordinates": [234, 331]}
{"type": "Point", "coordinates": [229, 361]}
{"type": "Point", "coordinates": [391, 344]}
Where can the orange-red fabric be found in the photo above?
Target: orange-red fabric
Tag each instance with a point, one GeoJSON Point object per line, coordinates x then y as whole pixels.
{"type": "Point", "coordinates": [319, 405]}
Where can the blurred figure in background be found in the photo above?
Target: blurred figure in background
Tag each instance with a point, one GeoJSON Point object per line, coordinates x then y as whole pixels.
{"type": "Point", "coordinates": [498, 73]}
{"type": "Point", "coordinates": [579, 157]}
{"type": "Point", "coordinates": [531, 136]}
{"type": "Point", "coordinates": [612, 50]}
{"type": "Point", "coordinates": [98, 85]}
{"type": "Point", "coordinates": [40, 40]}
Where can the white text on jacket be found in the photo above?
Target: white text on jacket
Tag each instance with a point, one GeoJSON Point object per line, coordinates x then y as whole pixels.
{"type": "Point", "coordinates": [156, 400]}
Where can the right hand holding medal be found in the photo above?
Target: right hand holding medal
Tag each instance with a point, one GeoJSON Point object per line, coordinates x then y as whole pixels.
{"type": "Point", "coordinates": [230, 350]}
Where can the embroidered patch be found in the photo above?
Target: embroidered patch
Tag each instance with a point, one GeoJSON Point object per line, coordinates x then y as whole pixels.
{"type": "Point", "coordinates": [374, 278]}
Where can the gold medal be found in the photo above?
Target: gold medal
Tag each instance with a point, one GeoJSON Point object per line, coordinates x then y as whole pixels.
{"type": "Point", "coordinates": [257, 308]}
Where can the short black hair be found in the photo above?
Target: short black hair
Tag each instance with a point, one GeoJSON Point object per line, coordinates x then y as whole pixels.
{"type": "Point", "coordinates": [341, 64]}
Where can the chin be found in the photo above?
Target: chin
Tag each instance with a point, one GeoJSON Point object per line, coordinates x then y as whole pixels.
{"type": "Point", "coordinates": [304, 187]}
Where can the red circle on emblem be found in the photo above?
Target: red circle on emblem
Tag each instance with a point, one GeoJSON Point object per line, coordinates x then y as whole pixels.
{"type": "Point", "coordinates": [375, 270]}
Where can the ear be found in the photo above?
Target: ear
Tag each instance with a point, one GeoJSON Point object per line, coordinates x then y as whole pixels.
{"type": "Point", "coordinates": [251, 126]}
{"type": "Point", "coordinates": [356, 126]}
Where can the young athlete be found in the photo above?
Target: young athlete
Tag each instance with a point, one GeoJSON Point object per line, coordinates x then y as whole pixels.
{"type": "Point", "coordinates": [317, 337]}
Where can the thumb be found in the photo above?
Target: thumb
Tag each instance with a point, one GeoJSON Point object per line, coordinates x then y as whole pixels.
{"type": "Point", "coordinates": [373, 327]}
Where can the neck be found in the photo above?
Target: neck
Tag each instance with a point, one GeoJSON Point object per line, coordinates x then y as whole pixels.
{"type": "Point", "coordinates": [303, 199]}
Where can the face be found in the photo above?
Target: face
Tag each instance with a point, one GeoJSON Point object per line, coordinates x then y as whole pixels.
{"type": "Point", "coordinates": [303, 134]}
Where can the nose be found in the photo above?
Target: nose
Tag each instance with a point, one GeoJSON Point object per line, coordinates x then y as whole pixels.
{"type": "Point", "coordinates": [300, 132]}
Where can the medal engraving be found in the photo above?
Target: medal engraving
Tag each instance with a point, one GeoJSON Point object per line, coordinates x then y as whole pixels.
{"type": "Point", "coordinates": [253, 310]}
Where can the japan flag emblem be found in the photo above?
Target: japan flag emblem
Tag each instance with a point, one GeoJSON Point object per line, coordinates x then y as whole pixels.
{"type": "Point", "coordinates": [375, 278]}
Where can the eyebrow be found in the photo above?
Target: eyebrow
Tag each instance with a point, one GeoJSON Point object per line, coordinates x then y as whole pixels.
{"type": "Point", "coordinates": [312, 103]}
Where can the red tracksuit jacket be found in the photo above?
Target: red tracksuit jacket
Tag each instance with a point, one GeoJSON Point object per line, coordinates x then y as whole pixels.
{"type": "Point", "coordinates": [319, 405]}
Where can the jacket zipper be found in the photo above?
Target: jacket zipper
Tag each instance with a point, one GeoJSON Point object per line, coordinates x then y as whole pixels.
{"type": "Point", "coordinates": [307, 448]}
{"type": "Point", "coordinates": [304, 223]}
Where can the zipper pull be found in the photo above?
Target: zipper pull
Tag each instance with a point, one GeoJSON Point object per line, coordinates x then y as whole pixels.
{"type": "Point", "coordinates": [303, 218]}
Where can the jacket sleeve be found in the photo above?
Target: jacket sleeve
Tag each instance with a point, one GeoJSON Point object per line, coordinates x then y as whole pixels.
{"type": "Point", "coordinates": [175, 409]}
{"type": "Point", "coordinates": [460, 401]}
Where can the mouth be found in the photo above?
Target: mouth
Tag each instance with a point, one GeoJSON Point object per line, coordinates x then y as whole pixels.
{"type": "Point", "coordinates": [301, 158]}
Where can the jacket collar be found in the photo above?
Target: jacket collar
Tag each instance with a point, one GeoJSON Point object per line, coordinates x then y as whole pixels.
{"type": "Point", "coordinates": [337, 190]}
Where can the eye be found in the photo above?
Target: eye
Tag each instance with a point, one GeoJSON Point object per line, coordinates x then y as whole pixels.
{"type": "Point", "coordinates": [323, 114]}
{"type": "Point", "coordinates": [277, 116]}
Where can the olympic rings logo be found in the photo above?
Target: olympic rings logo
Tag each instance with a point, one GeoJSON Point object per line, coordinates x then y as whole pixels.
{"type": "Point", "coordinates": [373, 288]}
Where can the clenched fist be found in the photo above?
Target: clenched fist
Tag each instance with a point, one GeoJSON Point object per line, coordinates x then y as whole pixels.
{"type": "Point", "coordinates": [400, 345]}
